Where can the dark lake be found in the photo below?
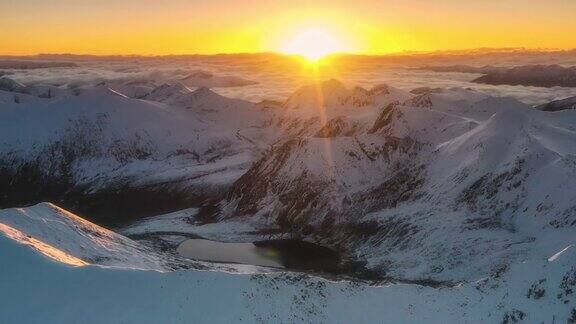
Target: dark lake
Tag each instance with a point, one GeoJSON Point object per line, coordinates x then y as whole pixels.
{"type": "Point", "coordinates": [287, 253]}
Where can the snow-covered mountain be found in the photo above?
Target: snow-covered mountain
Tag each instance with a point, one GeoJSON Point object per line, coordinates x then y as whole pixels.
{"type": "Point", "coordinates": [133, 89]}
{"type": "Point", "coordinates": [447, 187]}
{"type": "Point", "coordinates": [143, 87]}
{"type": "Point", "coordinates": [97, 141]}
{"type": "Point", "coordinates": [8, 84]}
{"type": "Point", "coordinates": [42, 91]}
{"type": "Point", "coordinates": [558, 105]}
{"type": "Point", "coordinates": [532, 75]}
{"type": "Point", "coordinates": [208, 106]}
{"type": "Point", "coordinates": [526, 75]}
{"type": "Point", "coordinates": [483, 176]}
{"type": "Point", "coordinates": [97, 144]}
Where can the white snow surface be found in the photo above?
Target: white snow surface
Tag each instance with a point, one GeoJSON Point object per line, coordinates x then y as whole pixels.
{"type": "Point", "coordinates": [44, 288]}
{"type": "Point", "coordinates": [80, 238]}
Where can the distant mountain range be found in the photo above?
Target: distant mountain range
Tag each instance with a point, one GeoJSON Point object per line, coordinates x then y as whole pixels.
{"type": "Point", "coordinates": [33, 64]}
{"type": "Point", "coordinates": [528, 75]}
{"type": "Point", "coordinates": [559, 105]}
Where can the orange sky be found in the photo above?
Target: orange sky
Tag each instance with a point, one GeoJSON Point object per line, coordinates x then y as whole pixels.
{"type": "Point", "coordinates": [218, 26]}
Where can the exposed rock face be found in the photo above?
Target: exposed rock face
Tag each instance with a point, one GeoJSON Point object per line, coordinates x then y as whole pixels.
{"type": "Point", "coordinates": [338, 127]}
{"type": "Point", "coordinates": [423, 90]}
{"type": "Point", "coordinates": [559, 105]}
{"type": "Point", "coordinates": [385, 118]}
{"type": "Point", "coordinates": [421, 101]}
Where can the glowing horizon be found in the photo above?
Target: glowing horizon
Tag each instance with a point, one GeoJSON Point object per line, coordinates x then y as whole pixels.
{"type": "Point", "coordinates": [372, 27]}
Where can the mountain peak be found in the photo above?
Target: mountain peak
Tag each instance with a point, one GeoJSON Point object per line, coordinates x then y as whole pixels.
{"type": "Point", "coordinates": [167, 90]}
{"type": "Point", "coordinates": [325, 93]}
{"type": "Point", "coordinates": [333, 84]}
{"type": "Point", "coordinates": [204, 92]}
{"type": "Point", "coordinates": [172, 87]}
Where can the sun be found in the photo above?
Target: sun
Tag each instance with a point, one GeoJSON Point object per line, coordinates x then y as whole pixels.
{"type": "Point", "coordinates": [313, 44]}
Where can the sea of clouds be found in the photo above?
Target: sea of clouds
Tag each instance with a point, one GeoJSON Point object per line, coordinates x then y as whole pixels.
{"type": "Point", "coordinates": [277, 76]}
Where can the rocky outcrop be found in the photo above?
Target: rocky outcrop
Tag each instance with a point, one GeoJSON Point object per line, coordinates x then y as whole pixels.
{"type": "Point", "coordinates": [559, 105]}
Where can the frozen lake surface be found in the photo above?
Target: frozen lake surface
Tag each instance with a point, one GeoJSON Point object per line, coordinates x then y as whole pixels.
{"type": "Point", "coordinates": [287, 253]}
{"type": "Point", "coordinates": [245, 253]}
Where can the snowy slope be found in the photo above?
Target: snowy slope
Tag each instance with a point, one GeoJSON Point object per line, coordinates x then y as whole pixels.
{"type": "Point", "coordinates": [77, 237]}
{"type": "Point", "coordinates": [208, 106]}
{"type": "Point", "coordinates": [44, 289]}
